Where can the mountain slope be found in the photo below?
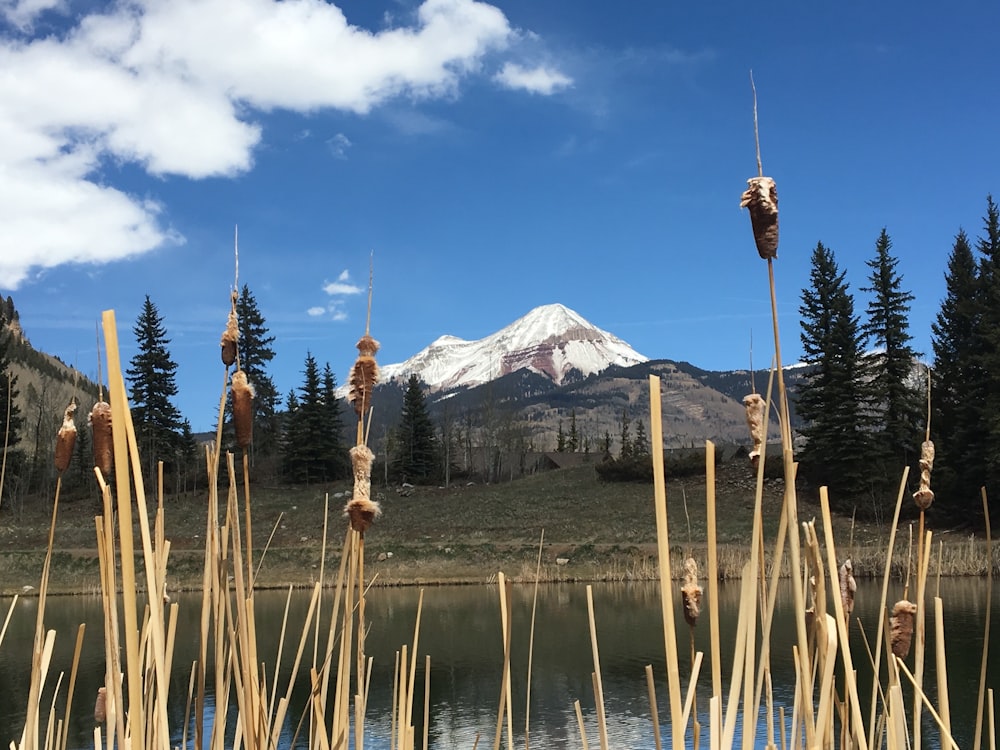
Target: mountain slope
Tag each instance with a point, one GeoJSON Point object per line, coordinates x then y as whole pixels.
{"type": "Point", "coordinates": [551, 340]}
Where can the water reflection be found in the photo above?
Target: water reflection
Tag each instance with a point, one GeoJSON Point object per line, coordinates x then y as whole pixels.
{"type": "Point", "coordinates": [460, 630]}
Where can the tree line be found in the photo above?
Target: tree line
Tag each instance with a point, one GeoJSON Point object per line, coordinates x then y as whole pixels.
{"type": "Point", "coordinates": [867, 396]}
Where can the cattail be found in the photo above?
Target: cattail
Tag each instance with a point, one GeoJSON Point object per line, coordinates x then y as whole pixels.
{"type": "Point", "coordinates": [364, 375]}
{"type": "Point", "coordinates": [230, 337]}
{"type": "Point", "coordinates": [100, 427]}
{"type": "Point", "coordinates": [691, 592]}
{"type": "Point", "coordinates": [901, 627]}
{"type": "Point", "coordinates": [242, 408]}
{"type": "Point", "coordinates": [362, 510]}
{"type": "Point", "coordinates": [924, 496]}
{"type": "Point", "coordinates": [100, 705]}
{"type": "Point", "coordinates": [66, 439]}
{"type": "Point", "coordinates": [761, 197]}
{"type": "Point", "coordinates": [756, 409]}
{"type": "Point", "coordinates": [847, 587]}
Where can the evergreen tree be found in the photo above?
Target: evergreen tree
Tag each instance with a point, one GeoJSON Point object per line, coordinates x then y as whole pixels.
{"type": "Point", "coordinates": [988, 324]}
{"type": "Point", "coordinates": [152, 379]}
{"type": "Point", "coordinates": [308, 452]}
{"type": "Point", "coordinates": [626, 449]}
{"type": "Point", "coordinates": [640, 446]}
{"type": "Point", "coordinates": [832, 398]}
{"type": "Point", "coordinates": [573, 442]}
{"type": "Point", "coordinates": [416, 458]}
{"type": "Point", "coordinates": [896, 403]}
{"type": "Point", "coordinates": [957, 380]}
{"type": "Point", "coordinates": [292, 463]}
{"type": "Point", "coordinates": [337, 458]}
{"type": "Point", "coordinates": [255, 355]}
{"type": "Point", "coordinates": [560, 439]}
{"type": "Point", "coordinates": [606, 443]}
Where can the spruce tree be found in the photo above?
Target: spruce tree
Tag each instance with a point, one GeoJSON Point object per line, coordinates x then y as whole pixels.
{"type": "Point", "coordinates": [416, 457]}
{"type": "Point", "coordinates": [573, 441]}
{"type": "Point", "coordinates": [306, 459]}
{"type": "Point", "coordinates": [255, 355]}
{"type": "Point", "coordinates": [897, 403]}
{"type": "Point", "coordinates": [831, 400]}
{"type": "Point", "coordinates": [560, 439]}
{"type": "Point", "coordinates": [10, 413]}
{"type": "Point", "coordinates": [988, 371]}
{"type": "Point", "coordinates": [640, 446]}
{"type": "Point", "coordinates": [959, 468]}
{"type": "Point", "coordinates": [337, 460]}
{"type": "Point", "coordinates": [152, 377]}
{"type": "Point", "coordinates": [626, 449]}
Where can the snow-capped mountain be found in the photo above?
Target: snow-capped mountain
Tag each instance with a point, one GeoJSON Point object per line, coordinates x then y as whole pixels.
{"type": "Point", "coordinates": [551, 340]}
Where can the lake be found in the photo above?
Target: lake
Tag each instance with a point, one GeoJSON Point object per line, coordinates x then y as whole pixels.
{"type": "Point", "coordinates": [460, 631]}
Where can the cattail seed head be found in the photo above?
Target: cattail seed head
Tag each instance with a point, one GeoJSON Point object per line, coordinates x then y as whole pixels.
{"type": "Point", "coordinates": [362, 510]}
{"type": "Point", "coordinates": [101, 705]}
{"type": "Point", "coordinates": [761, 197]}
{"type": "Point", "coordinates": [924, 496]}
{"type": "Point", "coordinates": [848, 586]}
{"type": "Point", "coordinates": [66, 439]}
{"type": "Point", "coordinates": [242, 408]}
{"type": "Point", "coordinates": [364, 375]}
{"type": "Point", "coordinates": [230, 339]}
{"type": "Point", "coordinates": [691, 592]}
{"type": "Point", "coordinates": [756, 408]}
{"type": "Point", "coordinates": [100, 427]}
{"type": "Point", "coordinates": [901, 627]}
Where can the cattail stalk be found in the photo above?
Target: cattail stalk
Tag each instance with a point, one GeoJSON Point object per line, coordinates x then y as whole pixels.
{"type": "Point", "coordinates": [243, 395]}
{"type": "Point", "coordinates": [756, 410]}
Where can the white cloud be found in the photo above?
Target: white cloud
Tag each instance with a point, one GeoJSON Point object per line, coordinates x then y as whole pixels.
{"type": "Point", "coordinates": [315, 312]}
{"type": "Point", "coordinates": [338, 145]}
{"type": "Point", "coordinates": [537, 80]}
{"type": "Point", "coordinates": [174, 87]}
{"type": "Point", "coordinates": [342, 286]}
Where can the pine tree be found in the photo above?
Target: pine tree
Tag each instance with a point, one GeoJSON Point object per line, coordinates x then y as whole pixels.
{"type": "Point", "coordinates": [560, 439]}
{"type": "Point", "coordinates": [832, 399]}
{"type": "Point", "coordinates": [306, 458]}
{"type": "Point", "coordinates": [337, 459]}
{"type": "Point", "coordinates": [626, 449]}
{"type": "Point", "coordinates": [956, 428]}
{"type": "Point", "coordinates": [573, 442]}
{"type": "Point", "coordinates": [897, 404]}
{"type": "Point", "coordinates": [255, 355]}
{"type": "Point", "coordinates": [988, 374]}
{"type": "Point", "coordinates": [153, 384]}
{"type": "Point", "coordinates": [640, 446]}
{"type": "Point", "coordinates": [416, 458]}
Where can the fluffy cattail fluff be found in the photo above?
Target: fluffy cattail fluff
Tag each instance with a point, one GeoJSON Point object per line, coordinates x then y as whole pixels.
{"type": "Point", "coordinates": [847, 587]}
{"type": "Point", "coordinates": [101, 705]}
{"type": "Point", "coordinates": [66, 439]}
{"type": "Point", "coordinates": [925, 496]}
{"type": "Point", "coordinates": [230, 337]}
{"type": "Point", "coordinates": [364, 375]}
{"type": "Point", "coordinates": [242, 408]}
{"type": "Point", "coordinates": [761, 197]}
{"type": "Point", "coordinates": [901, 627]}
{"type": "Point", "coordinates": [756, 408]}
{"type": "Point", "coordinates": [100, 426]}
{"type": "Point", "coordinates": [691, 592]}
{"type": "Point", "coordinates": [362, 510]}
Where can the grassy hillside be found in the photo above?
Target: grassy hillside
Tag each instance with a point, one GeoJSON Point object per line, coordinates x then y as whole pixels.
{"type": "Point", "coordinates": [592, 531]}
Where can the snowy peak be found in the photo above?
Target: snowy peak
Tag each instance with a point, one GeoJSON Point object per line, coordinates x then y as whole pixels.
{"type": "Point", "coordinates": [551, 340]}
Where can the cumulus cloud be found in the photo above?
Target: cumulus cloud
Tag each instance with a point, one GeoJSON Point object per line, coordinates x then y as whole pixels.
{"type": "Point", "coordinates": [537, 80]}
{"type": "Point", "coordinates": [177, 88]}
{"type": "Point", "coordinates": [342, 286]}
{"type": "Point", "coordinates": [315, 312]}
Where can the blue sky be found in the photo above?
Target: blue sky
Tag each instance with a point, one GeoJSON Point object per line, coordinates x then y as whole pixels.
{"type": "Point", "coordinates": [492, 157]}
